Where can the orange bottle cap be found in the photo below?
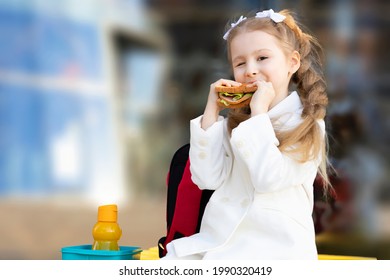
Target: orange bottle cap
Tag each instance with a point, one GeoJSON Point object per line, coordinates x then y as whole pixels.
{"type": "Point", "coordinates": [107, 213]}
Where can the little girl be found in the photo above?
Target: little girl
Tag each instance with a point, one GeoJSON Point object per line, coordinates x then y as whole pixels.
{"type": "Point", "coordinates": [261, 160]}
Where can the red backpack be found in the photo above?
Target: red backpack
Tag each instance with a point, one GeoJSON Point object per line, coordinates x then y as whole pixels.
{"type": "Point", "coordinates": [185, 201]}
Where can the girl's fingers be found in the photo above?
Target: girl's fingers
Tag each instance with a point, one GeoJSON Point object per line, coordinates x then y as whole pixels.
{"type": "Point", "coordinates": [227, 83]}
{"type": "Point", "coordinates": [263, 86]}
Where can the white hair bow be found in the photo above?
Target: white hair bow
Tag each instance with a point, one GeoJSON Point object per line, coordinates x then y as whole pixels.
{"type": "Point", "coordinates": [232, 25]}
{"type": "Point", "coordinates": [276, 17]}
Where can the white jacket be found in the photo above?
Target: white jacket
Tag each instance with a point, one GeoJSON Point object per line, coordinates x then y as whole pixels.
{"type": "Point", "coordinates": [263, 200]}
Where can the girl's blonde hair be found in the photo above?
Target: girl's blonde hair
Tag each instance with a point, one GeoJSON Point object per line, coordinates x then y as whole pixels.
{"type": "Point", "coordinates": [307, 140]}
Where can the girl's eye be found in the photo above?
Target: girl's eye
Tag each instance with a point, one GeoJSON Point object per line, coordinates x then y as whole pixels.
{"type": "Point", "coordinates": [240, 64]}
{"type": "Point", "coordinates": [261, 58]}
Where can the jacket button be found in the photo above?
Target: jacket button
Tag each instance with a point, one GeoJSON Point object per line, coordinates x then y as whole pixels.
{"type": "Point", "coordinates": [202, 155]}
{"type": "Point", "coordinates": [203, 142]}
{"type": "Point", "coordinates": [240, 144]}
{"type": "Point", "coordinates": [244, 203]}
{"type": "Point", "coordinates": [246, 154]}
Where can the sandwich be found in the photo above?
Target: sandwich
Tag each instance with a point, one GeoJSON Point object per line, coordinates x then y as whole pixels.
{"type": "Point", "coordinates": [235, 97]}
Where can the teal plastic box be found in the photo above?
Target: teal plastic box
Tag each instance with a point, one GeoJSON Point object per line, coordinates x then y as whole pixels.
{"type": "Point", "coordinates": [85, 252]}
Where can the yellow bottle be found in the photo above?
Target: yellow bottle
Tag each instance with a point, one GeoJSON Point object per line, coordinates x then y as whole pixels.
{"type": "Point", "coordinates": [106, 231]}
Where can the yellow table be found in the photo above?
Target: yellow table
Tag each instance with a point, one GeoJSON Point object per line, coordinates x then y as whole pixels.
{"type": "Point", "coordinates": [152, 254]}
{"type": "Point", "coordinates": [340, 257]}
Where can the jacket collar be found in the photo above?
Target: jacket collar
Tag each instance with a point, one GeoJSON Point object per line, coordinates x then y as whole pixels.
{"type": "Point", "coordinates": [291, 104]}
{"type": "Point", "coordinates": [288, 111]}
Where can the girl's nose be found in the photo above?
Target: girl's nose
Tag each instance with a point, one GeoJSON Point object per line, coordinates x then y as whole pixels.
{"type": "Point", "coordinates": [251, 70]}
{"type": "Point", "coordinates": [251, 73]}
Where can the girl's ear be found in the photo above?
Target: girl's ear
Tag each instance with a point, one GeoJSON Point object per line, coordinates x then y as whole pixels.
{"type": "Point", "coordinates": [295, 62]}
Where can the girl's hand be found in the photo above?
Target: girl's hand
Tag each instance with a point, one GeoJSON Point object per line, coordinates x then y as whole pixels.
{"type": "Point", "coordinates": [212, 109]}
{"type": "Point", "coordinates": [262, 98]}
{"type": "Point", "coordinates": [213, 95]}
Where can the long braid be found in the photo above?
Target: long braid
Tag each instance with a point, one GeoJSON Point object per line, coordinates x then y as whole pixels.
{"type": "Point", "coordinates": [311, 86]}
{"type": "Point", "coordinates": [310, 80]}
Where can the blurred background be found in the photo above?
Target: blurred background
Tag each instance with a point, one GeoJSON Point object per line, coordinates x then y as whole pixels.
{"type": "Point", "coordinates": [97, 95]}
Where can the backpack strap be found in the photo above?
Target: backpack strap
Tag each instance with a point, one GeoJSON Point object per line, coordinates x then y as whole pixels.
{"type": "Point", "coordinates": [186, 211]}
{"type": "Point", "coordinates": [174, 177]}
{"type": "Point", "coordinates": [185, 201]}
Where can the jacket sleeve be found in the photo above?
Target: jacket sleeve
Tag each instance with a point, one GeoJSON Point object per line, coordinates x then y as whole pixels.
{"type": "Point", "coordinates": [255, 143]}
{"type": "Point", "coordinates": [209, 164]}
